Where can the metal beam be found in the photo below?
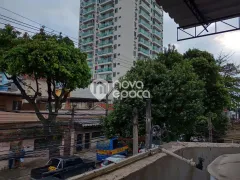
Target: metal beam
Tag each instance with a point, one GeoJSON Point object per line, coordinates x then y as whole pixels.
{"type": "Point", "coordinates": [231, 27]}
{"type": "Point", "coordinates": [197, 13]}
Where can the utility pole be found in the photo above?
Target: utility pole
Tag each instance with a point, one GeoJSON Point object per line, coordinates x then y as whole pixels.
{"type": "Point", "coordinates": [72, 131]}
{"type": "Point", "coordinates": [210, 129]}
{"type": "Point", "coordinates": [135, 131]}
{"type": "Point", "coordinates": [108, 94]}
{"type": "Point", "coordinates": [148, 141]}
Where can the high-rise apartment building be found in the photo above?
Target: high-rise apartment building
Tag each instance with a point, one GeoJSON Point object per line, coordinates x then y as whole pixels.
{"type": "Point", "coordinates": [115, 33]}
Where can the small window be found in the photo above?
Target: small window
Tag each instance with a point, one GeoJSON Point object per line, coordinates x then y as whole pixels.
{"type": "Point", "coordinates": [119, 26]}
{"type": "Point", "coordinates": [116, 1]}
{"type": "Point", "coordinates": [118, 54]}
{"type": "Point", "coordinates": [114, 74]}
{"type": "Point", "coordinates": [114, 65]}
{"type": "Point", "coordinates": [119, 17]}
{"type": "Point", "coordinates": [116, 10]}
{"type": "Point", "coordinates": [115, 55]}
{"type": "Point", "coordinates": [118, 73]}
{"type": "Point", "coordinates": [115, 28]}
{"type": "Point", "coordinates": [115, 46]}
{"type": "Point", "coordinates": [119, 44]}
{"type": "Point", "coordinates": [115, 37]}
{"type": "Point", "coordinates": [119, 35]}
{"type": "Point", "coordinates": [118, 63]}
{"type": "Point", "coordinates": [120, 8]}
{"type": "Point", "coordinates": [96, 134]}
{"type": "Point", "coordinates": [115, 19]}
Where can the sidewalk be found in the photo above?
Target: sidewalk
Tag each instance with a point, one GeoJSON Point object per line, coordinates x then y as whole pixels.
{"type": "Point", "coordinates": [21, 174]}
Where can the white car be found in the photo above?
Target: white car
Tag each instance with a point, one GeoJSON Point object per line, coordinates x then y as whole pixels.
{"type": "Point", "coordinates": [113, 159]}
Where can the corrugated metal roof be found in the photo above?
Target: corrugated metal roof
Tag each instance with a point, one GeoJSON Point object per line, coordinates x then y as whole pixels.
{"type": "Point", "coordinates": [211, 9]}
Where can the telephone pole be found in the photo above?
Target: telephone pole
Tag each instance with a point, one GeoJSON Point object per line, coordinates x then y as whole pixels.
{"type": "Point", "coordinates": [148, 141]}
{"type": "Point", "coordinates": [210, 129]}
{"type": "Point", "coordinates": [135, 131]}
{"type": "Point", "coordinates": [108, 94]}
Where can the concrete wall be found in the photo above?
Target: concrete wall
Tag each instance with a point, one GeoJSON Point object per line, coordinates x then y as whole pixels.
{"type": "Point", "coordinates": [164, 167]}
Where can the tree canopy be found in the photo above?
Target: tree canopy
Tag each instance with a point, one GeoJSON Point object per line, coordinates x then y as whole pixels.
{"type": "Point", "coordinates": [51, 58]}
{"type": "Point", "coordinates": [185, 90]}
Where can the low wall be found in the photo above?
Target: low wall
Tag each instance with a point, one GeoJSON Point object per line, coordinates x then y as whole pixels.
{"type": "Point", "coordinates": [165, 167]}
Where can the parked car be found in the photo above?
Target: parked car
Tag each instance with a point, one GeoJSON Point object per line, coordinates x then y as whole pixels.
{"type": "Point", "coordinates": [63, 167]}
{"type": "Point", "coordinates": [113, 159]}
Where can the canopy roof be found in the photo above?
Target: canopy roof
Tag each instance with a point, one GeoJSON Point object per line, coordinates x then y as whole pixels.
{"type": "Point", "coordinates": [188, 13]}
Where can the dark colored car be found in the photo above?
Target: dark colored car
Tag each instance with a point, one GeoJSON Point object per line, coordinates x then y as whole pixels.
{"type": "Point", "coordinates": [63, 167]}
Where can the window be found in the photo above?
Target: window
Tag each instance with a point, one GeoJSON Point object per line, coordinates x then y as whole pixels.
{"type": "Point", "coordinates": [115, 55]}
{"type": "Point", "coordinates": [115, 19]}
{"type": "Point", "coordinates": [119, 44]}
{"type": "Point", "coordinates": [118, 73]}
{"type": "Point", "coordinates": [96, 134]}
{"type": "Point", "coordinates": [115, 46]}
{"type": "Point", "coordinates": [114, 74]}
{"type": "Point", "coordinates": [118, 63]}
{"type": "Point", "coordinates": [116, 1]}
{"type": "Point", "coordinates": [119, 17]}
{"type": "Point", "coordinates": [114, 65]}
{"type": "Point", "coordinates": [120, 8]}
{"type": "Point", "coordinates": [116, 10]}
{"type": "Point", "coordinates": [118, 54]}
{"type": "Point", "coordinates": [115, 37]}
{"type": "Point", "coordinates": [119, 35]}
{"type": "Point", "coordinates": [119, 26]}
{"type": "Point", "coordinates": [115, 28]}
{"type": "Point", "coordinates": [135, 34]}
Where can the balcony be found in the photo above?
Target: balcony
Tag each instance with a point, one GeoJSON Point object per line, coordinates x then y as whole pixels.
{"type": "Point", "coordinates": [156, 49]}
{"type": "Point", "coordinates": [145, 15]}
{"type": "Point", "coordinates": [105, 60]}
{"type": "Point", "coordinates": [144, 33]}
{"type": "Point", "coordinates": [105, 34]}
{"type": "Point", "coordinates": [105, 52]}
{"type": "Point", "coordinates": [87, 26]}
{"type": "Point", "coordinates": [144, 24]}
{"type": "Point", "coordinates": [102, 2]}
{"type": "Point", "coordinates": [157, 33]}
{"type": "Point", "coordinates": [87, 49]}
{"type": "Point", "coordinates": [104, 70]}
{"type": "Point", "coordinates": [158, 18]}
{"type": "Point", "coordinates": [105, 43]}
{"type": "Point", "coordinates": [144, 51]}
{"type": "Point", "coordinates": [87, 33]}
{"type": "Point", "coordinates": [90, 63]}
{"type": "Point", "coordinates": [106, 8]}
{"type": "Point", "coordinates": [156, 41]}
{"type": "Point", "coordinates": [87, 41]}
{"type": "Point", "coordinates": [89, 3]}
{"type": "Point", "coordinates": [89, 17]}
{"type": "Point", "coordinates": [158, 26]}
{"type": "Point", "coordinates": [145, 7]}
{"type": "Point", "coordinates": [107, 16]}
{"type": "Point", "coordinates": [88, 10]}
{"type": "Point", "coordinates": [105, 25]}
{"type": "Point", "coordinates": [144, 42]}
{"type": "Point", "coordinates": [89, 56]}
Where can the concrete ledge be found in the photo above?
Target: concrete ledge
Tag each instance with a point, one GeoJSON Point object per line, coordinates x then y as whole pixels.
{"type": "Point", "coordinates": [157, 165]}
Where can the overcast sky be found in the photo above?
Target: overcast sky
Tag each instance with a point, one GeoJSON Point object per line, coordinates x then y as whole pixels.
{"type": "Point", "coordinates": [63, 15]}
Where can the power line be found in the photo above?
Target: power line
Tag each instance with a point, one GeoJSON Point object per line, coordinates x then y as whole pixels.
{"type": "Point", "coordinates": [19, 28]}
{"type": "Point", "coordinates": [35, 22]}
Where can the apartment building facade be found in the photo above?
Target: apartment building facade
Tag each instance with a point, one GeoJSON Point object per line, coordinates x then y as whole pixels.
{"type": "Point", "coordinates": [116, 33]}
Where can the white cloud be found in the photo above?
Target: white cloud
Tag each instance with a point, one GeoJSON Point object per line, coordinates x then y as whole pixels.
{"type": "Point", "coordinates": [229, 40]}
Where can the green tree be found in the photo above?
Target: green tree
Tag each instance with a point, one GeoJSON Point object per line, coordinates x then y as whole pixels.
{"type": "Point", "coordinates": [51, 58]}
{"type": "Point", "coordinates": [176, 94]}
